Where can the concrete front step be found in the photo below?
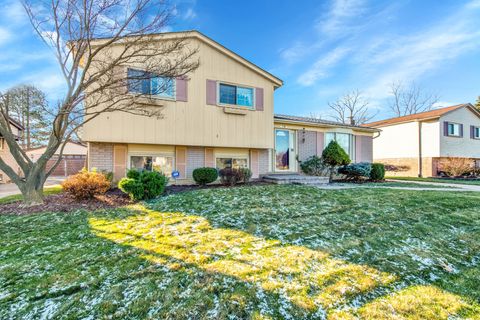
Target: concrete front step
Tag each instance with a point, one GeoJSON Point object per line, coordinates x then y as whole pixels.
{"type": "Point", "coordinates": [295, 179]}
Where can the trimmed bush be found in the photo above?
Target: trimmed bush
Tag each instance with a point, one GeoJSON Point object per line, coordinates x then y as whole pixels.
{"type": "Point", "coordinates": [86, 184]}
{"type": "Point", "coordinates": [143, 185]}
{"type": "Point", "coordinates": [456, 166]}
{"type": "Point", "coordinates": [356, 171]}
{"type": "Point", "coordinates": [334, 156]}
{"type": "Point", "coordinates": [132, 187]}
{"type": "Point", "coordinates": [204, 176]}
{"type": "Point", "coordinates": [313, 166]}
{"type": "Point", "coordinates": [229, 176]}
{"type": "Point", "coordinates": [245, 174]}
{"type": "Point", "coordinates": [378, 172]}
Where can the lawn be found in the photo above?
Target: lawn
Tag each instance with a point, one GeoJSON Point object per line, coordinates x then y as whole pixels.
{"type": "Point", "coordinates": [260, 252]}
{"type": "Point", "coordinates": [437, 180]}
{"type": "Point", "coordinates": [393, 184]}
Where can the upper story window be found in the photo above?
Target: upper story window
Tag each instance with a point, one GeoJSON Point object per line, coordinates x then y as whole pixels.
{"type": "Point", "coordinates": [235, 95]}
{"type": "Point", "coordinates": [476, 132]}
{"type": "Point", "coordinates": [454, 129]}
{"type": "Point", "coordinates": [345, 140]}
{"type": "Point", "coordinates": [150, 84]}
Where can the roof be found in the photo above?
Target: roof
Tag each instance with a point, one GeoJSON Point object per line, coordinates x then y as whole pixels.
{"type": "Point", "coordinates": [197, 34]}
{"type": "Point", "coordinates": [317, 122]}
{"type": "Point", "coordinates": [432, 114]}
{"type": "Point", "coordinates": [69, 141]}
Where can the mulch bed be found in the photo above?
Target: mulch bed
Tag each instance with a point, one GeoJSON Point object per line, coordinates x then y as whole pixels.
{"type": "Point", "coordinates": [62, 202]}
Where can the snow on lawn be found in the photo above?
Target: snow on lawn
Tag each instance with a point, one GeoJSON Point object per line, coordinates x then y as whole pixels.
{"type": "Point", "coordinates": [263, 252]}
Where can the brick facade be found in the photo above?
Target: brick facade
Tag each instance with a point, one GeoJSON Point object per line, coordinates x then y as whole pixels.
{"type": "Point", "coordinates": [195, 159]}
{"type": "Point", "coordinates": [408, 167]}
{"type": "Point", "coordinates": [100, 156]}
{"type": "Point", "coordinates": [307, 144]}
{"type": "Point", "coordinates": [263, 162]}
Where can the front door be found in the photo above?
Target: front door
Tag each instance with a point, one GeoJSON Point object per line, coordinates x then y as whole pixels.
{"type": "Point", "coordinates": [284, 150]}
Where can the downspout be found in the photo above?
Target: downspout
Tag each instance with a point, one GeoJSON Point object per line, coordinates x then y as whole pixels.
{"type": "Point", "coordinates": [420, 160]}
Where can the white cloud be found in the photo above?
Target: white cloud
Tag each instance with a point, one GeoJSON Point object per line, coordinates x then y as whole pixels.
{"type": "Point", "coordinates": [322, 66]}
{"type": "Point", "coordinates": [336, 20]}
{"type": "Point", "coordinates": [5, 36]}
{"type": "Point", "coordinates": [190, 14]}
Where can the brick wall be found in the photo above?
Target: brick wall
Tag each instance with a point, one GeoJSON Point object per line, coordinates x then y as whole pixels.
{"type": "Point", "coordinates": [195, 159]}
{"type": "Point", "coordinates": [263, 162]}
{"type": "Point", "coordinates": [410, 166]}
{"type": "Point", "coordinates": [307, 144]}
{"type": "Point", "coordinates": [100, 156]}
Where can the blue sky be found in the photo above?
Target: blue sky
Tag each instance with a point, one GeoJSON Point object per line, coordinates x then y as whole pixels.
{"type": "Point", "coordinates": [321, 49]}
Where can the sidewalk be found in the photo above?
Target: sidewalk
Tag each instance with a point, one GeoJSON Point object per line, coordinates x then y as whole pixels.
{"type": "Point", "coordinates": [452, 186]}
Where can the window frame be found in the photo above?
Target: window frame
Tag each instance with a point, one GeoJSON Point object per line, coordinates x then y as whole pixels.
{"type": "Point", "coordinates": [236, 105]}
{"type": "Point", "coordinates": [246, 158]}
{"type": "Point", "coordinates": [453, 124]}
{"type": "Point", "coordinates": [152, 155]}
{"type": "Point", "coordinates": [351, 141]}
{"type": "Point", "coordinates": [173, 97]}
{"type": "Point", "coordinates": [475, 130]}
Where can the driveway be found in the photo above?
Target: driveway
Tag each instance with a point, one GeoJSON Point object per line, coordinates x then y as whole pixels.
{"type": "Point", "coordinates": [9, 189]}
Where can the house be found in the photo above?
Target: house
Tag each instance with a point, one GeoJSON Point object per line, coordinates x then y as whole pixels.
{"type": "Point", "coordinates": [414, 145]}
{"type": "Point", "coordinates": [5, 153]}
{"type": "Point", "coordinates": [221, 116]}
{"type": "Point", "coordinates": [73, 160]}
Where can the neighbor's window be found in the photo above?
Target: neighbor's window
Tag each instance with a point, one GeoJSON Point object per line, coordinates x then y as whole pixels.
{"type": "Point", "coordinates": [235, 163]}
{"type": "Point", "coordinates": [240, 96]}
{"type": "Point", "coordinates": [150, 84]}
{"type": "Point", "coordinates": [345, 140]}
{"type": "Point", "coordinates": [476, 132]}
{"type": "Point", "coordinates": [454, 129]}
{"type": "Point", "coordinates": [162, 164]}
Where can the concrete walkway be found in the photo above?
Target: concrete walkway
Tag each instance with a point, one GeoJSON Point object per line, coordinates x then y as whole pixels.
{"type": "Point", "coordinates": [448, 186]}
{"type": "Point", "coordinates": [9, 189]}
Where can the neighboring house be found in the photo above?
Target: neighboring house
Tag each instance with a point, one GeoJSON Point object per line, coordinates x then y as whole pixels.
{"type": "Point", "coordinates": [74, 158]}
{"type": "Point", "coordinates": [415, 144]}
{"type": "Point", "coordinates": [5, 153]}
{"type": "Point", "coordinates": [222, 116]}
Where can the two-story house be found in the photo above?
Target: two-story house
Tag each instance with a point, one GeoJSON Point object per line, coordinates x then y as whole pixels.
{"type": "Point", "coordinates": [415, 144]}
{"type": "Point", "coordinates": [5, 154]}
{"type": "Point", "coordinates": [221, 116]}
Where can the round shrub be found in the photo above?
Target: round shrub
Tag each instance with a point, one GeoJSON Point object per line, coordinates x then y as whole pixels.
{"type": "Point", "coordinates": [86, 184]}
{"type": "Point", "coordinates": [378, 172]}
{"type": "Point", "coordinates": [141, 185]}
{"type": "Point", "coordinates": [132, 187]}
{"type": "Point", "coordinates": [204, 176]}
{"type": "Point", "coordinates": [154, 183]}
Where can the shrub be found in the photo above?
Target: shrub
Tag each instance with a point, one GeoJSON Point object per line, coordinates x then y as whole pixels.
{"type": "Point", "coordinates": [109, 176]}
{"type": "Point", "coordinates": [86, 184]}
{"type": "Point", "coordinates": [334, 156]}
{"type": "Point", "coordinates": [378, 172]}
{"type": "Point", "coordinates": [230, 176]}
{"type": "Point", "coordinates": [455, 167]}
{"type": "Point", "coordinates": [132, 187]}
{"type": "Point", "coordinates": [356, 171]}
{"type": "Point", "coordinates": [245, 174]}
{"type": "Point", "coordinates": [313, 166]}
{"type": "Point", "coordinates": [142, 185]}
{"type": "Point", "coordinates": [204, 176]}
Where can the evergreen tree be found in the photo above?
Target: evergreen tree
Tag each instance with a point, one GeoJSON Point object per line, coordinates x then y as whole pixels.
{"type": "Point", "coordinates": [477, 103]}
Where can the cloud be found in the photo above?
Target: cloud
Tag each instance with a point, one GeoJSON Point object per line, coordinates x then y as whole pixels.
{"type": "Point", "coordinates": [190, 14]}
{"type": "Point", "coordinates": [337, 19]}
{"type": "Point", "coordinates": [322, 66]}
{"type": "Point", "coordinates": [5, 36]}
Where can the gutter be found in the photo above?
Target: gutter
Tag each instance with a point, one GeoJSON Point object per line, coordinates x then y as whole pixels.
{"type": "Point", "coordinates": [420, 156]}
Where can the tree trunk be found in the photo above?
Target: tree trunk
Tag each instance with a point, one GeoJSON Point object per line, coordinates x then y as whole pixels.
{"type": "Point", "coordinates": [32, 187]}
{"type": "Point", "coordinates": [332, 170]}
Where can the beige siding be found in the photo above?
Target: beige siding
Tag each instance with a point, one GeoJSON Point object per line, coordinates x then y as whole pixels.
{"type": "Point", "coordinates": [397, 141]}
{"type": "Point", "coordinates": [9, 160]}
{"type": "Point", "coordinates": [194, 123]}
{"type": "Point", "coordinates": [460, 147]}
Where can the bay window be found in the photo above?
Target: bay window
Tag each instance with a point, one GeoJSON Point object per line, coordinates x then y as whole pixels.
{"type": "Point", "coordinates": [235, 95]}
{"type": "Point", "coordinates": [162, 164]}
{"type": "Point", "coordinates": [345, 140]}
{"type": "Point", "coordinates": [148, 83]}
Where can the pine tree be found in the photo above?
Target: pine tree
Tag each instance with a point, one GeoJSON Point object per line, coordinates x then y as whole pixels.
{"type": "Point", "coordinates": [477, 103]}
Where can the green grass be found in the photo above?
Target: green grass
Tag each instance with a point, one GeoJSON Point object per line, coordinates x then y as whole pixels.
{"type": "Point", "coordinates": [16, 197]}
{"type": "Point", "coordinates": [437, 180]}
{"type": "Point", "coordinates": [262, 252]}
{"type": "Point", "coordinates": [396, 185]}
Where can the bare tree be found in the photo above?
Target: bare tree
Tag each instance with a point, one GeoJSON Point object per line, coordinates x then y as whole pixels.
{"type": "Point", "coordinates": [352, 108]}
{"type": "Point", "coordinates": [410, 99]}
{"type": "Point", "coordinates": [94, 41]}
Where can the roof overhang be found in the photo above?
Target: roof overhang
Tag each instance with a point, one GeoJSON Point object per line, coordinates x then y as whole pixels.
{"type": "Point", "coordinates": [325, 125]}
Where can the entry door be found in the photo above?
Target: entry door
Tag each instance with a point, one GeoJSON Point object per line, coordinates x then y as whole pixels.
{"type": "Point", "coordinates": [284, 150]}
